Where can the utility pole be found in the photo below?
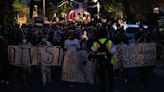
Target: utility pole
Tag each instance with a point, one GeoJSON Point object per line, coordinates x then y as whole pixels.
{"type": "Point", "coordinates": [44, 10]}
{"type": "Point", "coordinates": [31, 8]}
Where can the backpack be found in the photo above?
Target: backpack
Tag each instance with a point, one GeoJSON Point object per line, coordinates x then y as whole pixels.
{"type": "Point", "coordinates": [103, 52]}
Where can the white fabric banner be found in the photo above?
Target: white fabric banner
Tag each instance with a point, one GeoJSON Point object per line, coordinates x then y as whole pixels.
{"type": "Point", "coordinates": [118, 58]}
{"type": "Point", "coordinates": [22, 55]}
{"type": "Point", "coordinates": [143, 54]}
{"type": "Point", "coordinates": [50, 55]}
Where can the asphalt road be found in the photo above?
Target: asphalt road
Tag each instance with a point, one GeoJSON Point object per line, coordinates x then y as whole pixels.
{"type": "Point", "coordinates": [153, 83]}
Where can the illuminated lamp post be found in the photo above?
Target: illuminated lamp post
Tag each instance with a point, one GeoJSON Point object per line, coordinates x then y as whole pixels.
{"type": "Point", "coordinates": [98, 7]}
{"type": "Point", "coordinates": [156, 10]}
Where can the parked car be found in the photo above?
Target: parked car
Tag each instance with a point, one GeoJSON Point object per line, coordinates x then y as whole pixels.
{"type": "Point", "coordinates": [131, 30]}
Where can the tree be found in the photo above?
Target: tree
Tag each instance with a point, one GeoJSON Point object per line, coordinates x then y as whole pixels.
{"type": "Point", "coordinates": [113, 7]}
{"type": "Point", "coordinates": [6, 12]}
{"type": "Point", "coordinates": [51, 7]}
{"type": "Point", "coordinates": [21, 7]}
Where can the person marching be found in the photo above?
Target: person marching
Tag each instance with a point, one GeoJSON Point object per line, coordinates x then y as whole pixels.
{"type": "Point", "coordinates": [26, 68]}
{"type": "Point", "coordinates": [103, 50]}
{"type": "Point", "coordinates": [45, 70]}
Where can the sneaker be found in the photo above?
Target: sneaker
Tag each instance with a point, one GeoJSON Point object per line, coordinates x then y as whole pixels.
{"type": "Point", "coordinates": [7, 82]}
{"type": "Point", "coordinates": [125, 80]}
{"type": "Point", "coordinates": [44, 83]}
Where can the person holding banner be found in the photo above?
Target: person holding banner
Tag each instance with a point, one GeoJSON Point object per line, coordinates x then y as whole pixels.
{"type": "Point", "coordinates": [122, 40]}
{"type": "Point", "coordinates": [71, 46]}
{"type": "Point", "coordinates": [104, 50]}
{"type": "Point", "coordinates": [27, 67]}
{"type": "Point", "coordinates": [4, 63]}
{"type": "Point", "coordinates": [45, 70]}
{"type": "Point", "coordinates": [71, 42]}
{"type": "Point", "coordinates": [142, 37]}
{"type": "Point", "coordinates": [25, 42]}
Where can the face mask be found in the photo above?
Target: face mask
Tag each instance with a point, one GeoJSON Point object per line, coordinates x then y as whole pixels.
{"type": "Point", "coordinates": [24, 40]}
{"type": "Point", "coordinates": [43, 40]}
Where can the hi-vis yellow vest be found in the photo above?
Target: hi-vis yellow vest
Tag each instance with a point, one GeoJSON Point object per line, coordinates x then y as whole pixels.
{"type": "Point", "coordinates": [109, 44]}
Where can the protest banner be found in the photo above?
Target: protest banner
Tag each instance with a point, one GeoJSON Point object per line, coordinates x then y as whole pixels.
{"type": "Point", "coordinates": [77, 67]}
{"type": "Point", "coordinates": [50, 55]}
{"type": "Point", "coordinates": [12, 54]}
{"type": "Point", "coordinates": [143, 54]}
{"type": "Point", "coordinates": [61, 56]}
{"type": "Point", "coordinates": [22, 55]}
{"type": "Point", "coordinates": [87, 68]}
{"type": "Point", "coordinates": [118, 58]}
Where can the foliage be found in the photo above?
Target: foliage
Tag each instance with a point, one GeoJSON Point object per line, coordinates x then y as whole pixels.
{"type": "Point", "coordinates": [50, 9]}
{"type": "Point", "coordinates": [6, 13]}
{"type": "Point", "coordinates": [22, 7]}
{"type": "Point", "coordinates": [113, 7]}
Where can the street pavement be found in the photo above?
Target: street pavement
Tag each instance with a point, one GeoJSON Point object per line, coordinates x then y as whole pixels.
{"type": "Point", "coordinates": [153, 83]}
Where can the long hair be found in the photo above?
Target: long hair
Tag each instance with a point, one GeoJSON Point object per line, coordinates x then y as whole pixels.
{"type": "Point", "coordinates": [71, 35]}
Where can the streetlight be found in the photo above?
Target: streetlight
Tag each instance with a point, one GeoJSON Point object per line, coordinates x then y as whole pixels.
{"type": "Point", "coordinates": [94, 1]}
{"type": "Point", "coordinates": [156, 10]}
{"type": "Point", "coordinates": [98, 7]}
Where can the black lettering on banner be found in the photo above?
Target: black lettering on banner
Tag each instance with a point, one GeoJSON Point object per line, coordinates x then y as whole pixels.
{"type": "Point", "coordinates": [141, 50]}
{"type": "Point", "coordinates": [58, 55]}
{"type": "Point", "coordinates": [31, 55]}
{"type": "Point", "coordinates": [131, 59]}
{"type": "Point", "coordinates": [49, 59]}
{"type": "Point", "coordinates": [12, 49]}
{"type": "Point", "coordinates": [139, 55]}
{"type": "Point", "coordinates": [130, 51]}
{"type": "Point", "coordinates": [136, 61]}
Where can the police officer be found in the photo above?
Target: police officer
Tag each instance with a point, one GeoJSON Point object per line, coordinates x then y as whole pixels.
{"type": "Point", "coordinates": [104, 50]}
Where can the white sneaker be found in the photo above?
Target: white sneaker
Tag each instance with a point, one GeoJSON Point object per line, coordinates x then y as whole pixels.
{"type": "Point", "coordinates": [7, 82]}
{"type": "Point", "coordinates": [125, 80]}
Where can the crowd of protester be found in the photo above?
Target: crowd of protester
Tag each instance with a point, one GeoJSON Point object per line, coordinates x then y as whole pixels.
{"type": "Point", "coordinates": [59, 34]}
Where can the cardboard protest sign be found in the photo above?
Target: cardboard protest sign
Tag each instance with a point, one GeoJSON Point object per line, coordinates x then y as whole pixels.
{"type": "Point", "coordinates": [139, 55]}
{"type": "Point", "coordinates": [118, 58]}
{"type": "Point", "coordinates": [22, 55]}
{"type": "Point", "coordinates": [87, 68]}
{"type": "Point", "coordinates": [77, 68]}
{"type": "Point", "coordinates": [50, 55]}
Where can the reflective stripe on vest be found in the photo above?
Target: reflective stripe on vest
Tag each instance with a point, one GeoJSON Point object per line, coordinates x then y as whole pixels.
{"type": "Point", "coordinates": [109, 44]}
